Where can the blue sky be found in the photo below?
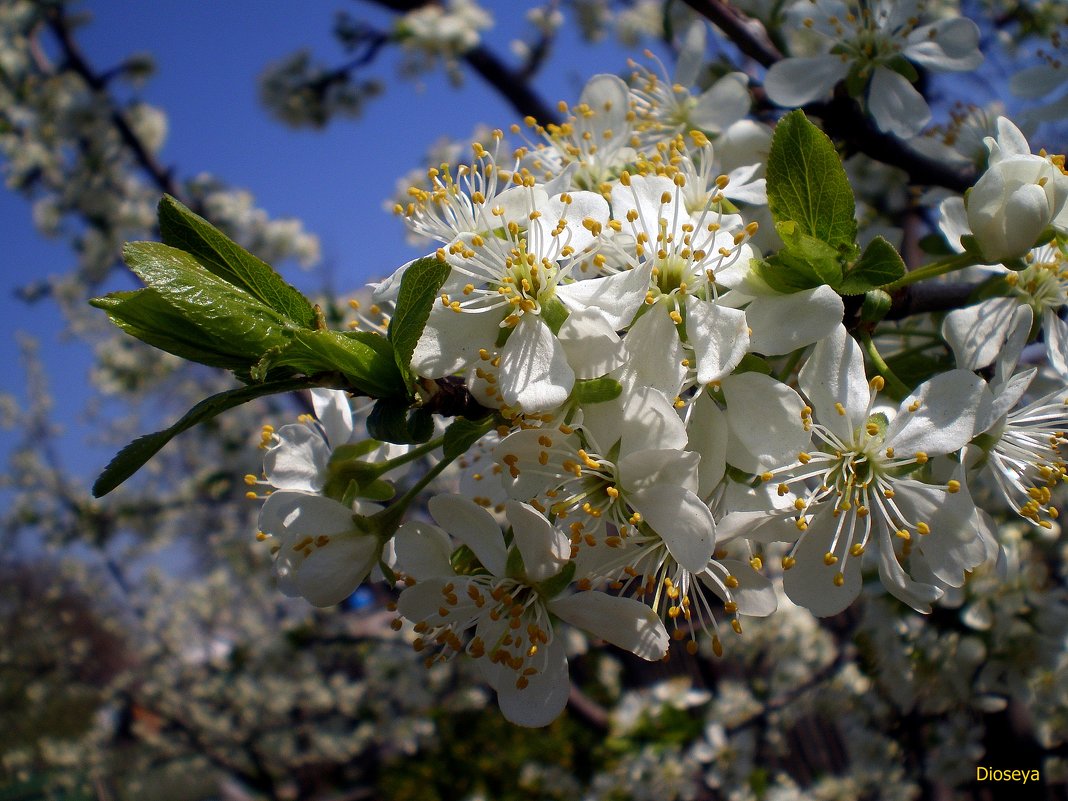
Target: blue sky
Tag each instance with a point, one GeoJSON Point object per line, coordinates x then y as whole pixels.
{"type": "Point", "coordinates": [208, 56]}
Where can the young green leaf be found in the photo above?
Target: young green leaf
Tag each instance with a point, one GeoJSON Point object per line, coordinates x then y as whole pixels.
{"type": "Point", "coordinates": [878, 266]}
{"type": "Point", "coordinates": [364, 358]}
{"type": "Point", "coordinates": [143, 314]}
{"type": "Point", "coordinates": [807, 183]}
{"type": "Point", "coordinates": [419, 288]}
{"type": "Point", "coordinates": [181, 228]}
{"type": "Point", "coordinates": [218, 308]}
{"type": "Point", "coordinates": [464, 433]}
{"type": "Point", "coordinates": [392, 421]}
{"type": "Point", "coordinates": [807, 255]}
{"type": "Point", "coordinates": [131, 458]}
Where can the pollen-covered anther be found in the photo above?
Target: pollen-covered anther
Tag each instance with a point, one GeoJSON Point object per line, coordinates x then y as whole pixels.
{"type": "Point", "coordinates": [839, 579]}
{"type": "Point", "coordinates": [788, 562]}
{"type": "Point", "coordinates": [829, 559]}
{"type": "Point", "coordinates": [953, 486]}
{"type": "Point", "coordinates": [923, 528]}
{"type": "Point", "coordinates": [903, 534]}
{"type": "Point", "coordinates": [921, 457]}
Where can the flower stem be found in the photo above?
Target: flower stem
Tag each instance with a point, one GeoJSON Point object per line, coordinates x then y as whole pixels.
{"type": "Point", "coordinates": [956, 262]}
{"type": "Point", "coordinates": [895, 384]}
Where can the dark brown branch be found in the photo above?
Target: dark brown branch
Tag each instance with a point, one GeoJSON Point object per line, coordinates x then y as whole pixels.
{"type": "Point", "coordinates": [746, 33]}
{"type": "Point", "coordinates": [928, 297]}
{"type": "Point", "coordinates": [842, 117]}
{"type": "Point", "coordinates": [162, 177]}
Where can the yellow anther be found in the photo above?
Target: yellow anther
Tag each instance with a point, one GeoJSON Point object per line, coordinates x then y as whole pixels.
{"type": "Point", "coordinates": [829, 559]}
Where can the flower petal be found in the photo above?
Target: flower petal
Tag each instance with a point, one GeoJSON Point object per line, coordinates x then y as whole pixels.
{"type": "Point", "coordinates": [298, 461]}
{"type": "Point", "coordinates": [332, 409]}
{"type": "Point", "coordinates": [683, 522]}
{"type": "Point", "coordinates": [474, 527]}
{"type": "Point", "coordinates": [895, 104]}
{"type": "Point", "coordinates": [422, 550]}
{"type": "Point", "coordinates": [624, 622]}
{"type": "Point", "coordinates": [534, 374]}
{"type": "Point", "coordinates": [544, 548]}
{"type": "Point", "coordinates": [765, 416]}
{"type": "Point", "coordinates": [545, 695]}
{"type": "Point", "coordinates": [944, 416]}
{"type": "Point", "coordinates": [810, 582]}
{"type": "Point", "coordinates": [833, 375]}
{"type": "Point", "coordinates": [720, 338]}
{"type": "Point", "coordinates": [784, 323]}
{"type": "Point", "coordinates": [796, 81]}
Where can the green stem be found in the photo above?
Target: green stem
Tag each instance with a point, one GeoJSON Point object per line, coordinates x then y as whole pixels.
{"type": "Point", "coordinates": [896, 385]}
{"type": "Point", "coordinates": [404, 458]}
{"type": "Point", "coordinates": [956, 262]}
{"type": "Point", "coordinates": [791, 363]}
{"type": "Point", "coordinates": [388, 519]}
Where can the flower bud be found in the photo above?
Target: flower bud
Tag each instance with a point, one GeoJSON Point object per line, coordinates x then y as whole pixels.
{"type": "Point", "coordinates": [1013, 203]}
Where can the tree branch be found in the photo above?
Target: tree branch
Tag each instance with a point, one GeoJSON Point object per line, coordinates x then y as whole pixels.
{"type": "Point", "coordinates": [162, 177]}
{"type": "Point", "coordinates": [842, 117]}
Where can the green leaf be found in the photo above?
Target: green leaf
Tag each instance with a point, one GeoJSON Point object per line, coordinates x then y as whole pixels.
{"type": "Point", "coordinates": [131, 458]}
{"type": "Point", "coordinates": [514, 567]}
{"type": "Point", "coordinates": [807, 183]}
{"type": "Point", "coordinates": [144, 315]}
{"type": "Point", "coordinates": [420, 285]}
{"type": "Point", "coordinates": [902, 66]}
{"type": "Point", "coordinates": [878, 266]}
{"type": "Point", "coordinates": [363, 357]}
{"type": "Point", "coordinates": [596, 390]}
{"type": "Point", "coordinates": [219, 309]}
{"type": "Point", "coordinates": [181, 228]}
{"type": "Point", "coordinates": [806, 255]}
{"type": "Point", "coordinates": [464, 433]}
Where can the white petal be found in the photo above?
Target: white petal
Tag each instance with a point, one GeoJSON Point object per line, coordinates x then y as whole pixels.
{"type": "Point", "coordinates": [294, 515]}
{"type": "Point", "coordinates": [544, 697]}
{"type": "Point", "coordinates": [895, 104]}
{"type": "Point", "coordinates": [640, 470]}
{"type": "Point", "coordinates": [977, 333]}
{"type": "Point", "coordinates": [949, 44]}
{"type": "Point", "coordinates": [944, 420]}
{"type": "Point", "coordinates": [592, 346]}
{"type": "Point", "coordinates": [624, 622]}
{"type": "Point", "coordinates": [917, 595]}
{"type": "Point", "coordinates": [422, 550]}
{"type": "Point", "coordinates": [691, 54]}
{"type": "Point", "coordinates": [810, 582]}
{"type": "Point", "coordinates": [609, 99]}
{"type": "Point", "coordinates": [643, 195]}
{"type": "Point", "coordinates": [331, 574]}
{"type": "Point", "coordinates": [649, 422]}
{"type": "Point", "coordinates": [534, 374]}
{"type": "Point", "coordinates": [617, 296]}
{"type": "Point", "coordinates": [796, 81]}
{"type": "Point", "coordinates": [474, 527]}
{"type": "Point", "coordinates": [720, 338]}
{"type": "Point", "coordinates": [953, 546]}
{"type": "Point", "coordinates": [298, 461]}
{"type": "Point", "coordinates": [707, 436]}
{"type": "Point", "coordinates": [723, 103]}
{"type": "Point", "coordinates": [754, 595]}
{"type": "Point", "coordinates": [834, 374]}
{"type": "Point", "coordinates": [332, 409]}
{"type": "Point", "coordinates": [544, 548]}
{"type": "Point", "coordinates": [784, 323]}
{"type": "Point", "coordinates": [682, 521]}
{"type": "Point", "coordinates": [765, 416]}
{"type": "Point", "coordinates": [953, 221]}
{"type": "Point", "coordinates": [451, 340]}
{"type": "Point", "coordinates": [1056, 342]}
{"type": "Point", "coordinates": [654, 353]}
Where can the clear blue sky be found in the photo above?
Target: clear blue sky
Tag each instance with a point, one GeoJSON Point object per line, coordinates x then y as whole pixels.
{"type": "Point", "coordinates": [208, 56]}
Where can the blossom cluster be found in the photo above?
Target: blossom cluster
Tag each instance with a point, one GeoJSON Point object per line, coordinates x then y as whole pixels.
{"type": "Point", "coordinates": [671, 436]}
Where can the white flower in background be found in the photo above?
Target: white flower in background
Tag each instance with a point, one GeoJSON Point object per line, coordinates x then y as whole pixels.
{"type": "Point", "coordinates": [598, 138]}
{"type": "Point", "coordinates": [874, 42]}
{"type": "Point", "coordinates": [1045, 80]}
{"type": "Point", "coordinates": [448, 29]}
{"type": "Point", "coordinates": [501, 612]}
{"type": "Point", "coordinates": [855, 491]}
{"type": "Point", "coordinates": [666, 107]}
{"type": "Point", "coordinates": [1023, 445]}
{"type": "Point", "coordinates": [321, 551]}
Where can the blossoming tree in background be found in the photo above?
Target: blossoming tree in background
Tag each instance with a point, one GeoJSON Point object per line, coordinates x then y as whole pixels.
{"type": "Point", "coordinates": [671, 378]}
